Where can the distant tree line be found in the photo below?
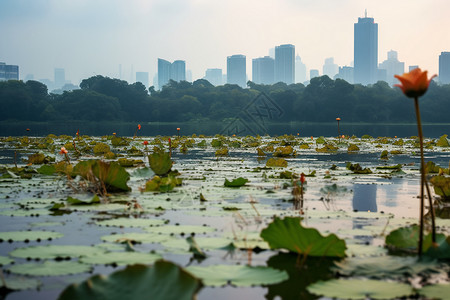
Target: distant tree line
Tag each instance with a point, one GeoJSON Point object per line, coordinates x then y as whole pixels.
{"type": "Point", "coordinates": [104, 99]}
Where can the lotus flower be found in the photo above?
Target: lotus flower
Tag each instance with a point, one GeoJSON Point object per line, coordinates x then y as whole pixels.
{"type": "Point", "coordinates": [302, 178]}
{"type": "Point", "coordinates": [145, 143]}
{"type": "Point", "coordinates": [63, 151]}
{"type": "Point", "coordinates": [415, 83]}
{"type": "Point", "coordinates": [139, 126]}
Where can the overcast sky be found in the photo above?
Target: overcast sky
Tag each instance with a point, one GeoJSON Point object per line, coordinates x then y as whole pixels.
{"type": "Point", "coordinates": [90, 37]}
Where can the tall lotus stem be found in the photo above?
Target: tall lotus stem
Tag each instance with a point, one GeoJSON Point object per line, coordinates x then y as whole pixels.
{"type": "Point", "coordinates": [339, 132]}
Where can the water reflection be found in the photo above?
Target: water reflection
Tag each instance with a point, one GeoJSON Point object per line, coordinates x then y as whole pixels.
{"type": "Point", "coordinates": [365, 197]}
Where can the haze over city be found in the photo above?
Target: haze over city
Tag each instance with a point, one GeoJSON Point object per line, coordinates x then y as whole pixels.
{"type": "Point", "coordinates": [89, 38]}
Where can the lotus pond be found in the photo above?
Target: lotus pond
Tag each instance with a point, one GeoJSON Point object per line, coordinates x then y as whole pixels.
{"type": "Point", "coordinates": [221, 217]}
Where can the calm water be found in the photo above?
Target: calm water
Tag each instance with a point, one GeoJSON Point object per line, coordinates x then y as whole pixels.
{"type": "Point", "coordinates": [212, 128]}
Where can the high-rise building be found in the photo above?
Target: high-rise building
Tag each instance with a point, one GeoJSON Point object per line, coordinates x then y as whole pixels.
{"type": "Point", "coordinates": [444, 68]}
{"type": "Point", "coordinates": [60, 78]}
{"type": "Point", "coordinates": [410, 68]}
{"type": "Point", "coordinates": [8, 72]}
{"type": "Point", "coordinates": [365, 50]}
{"type": "Point", "coordinates": [142, 77]}
{"type": "Point", "coordinates": [392, 66]}
{"type": "Point", "coordinates": [214, 76]}
{"type": "Point", "coordinates": [236, 70]}
{"type": "Point", "coordinates": [313, 73]}
{"type": "Point", "coordinates": [330, 68]}
{"type": "Point", "coordinates": [300, 70]}
{"type": "Point", "coordinates": [285, 63]}
{"type": "Point", "coordinates": [263, 69]}
{"type": "Point", "coordinates": [345, 73]}
{"type": "Point", "coordinates": [170, 71]}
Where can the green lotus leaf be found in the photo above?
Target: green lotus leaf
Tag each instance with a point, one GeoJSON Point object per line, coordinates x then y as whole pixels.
{"type": "Point", "coordinates": [238, 182]}
{"type": "Point", "coordinates": [443, 141]}
{"type": "Point", "coordinates": [237, 275]}
{"type": "Point", "coordinates": [120, 258]}
{"type": "Point", "coordinates": [111, 174]}
{"type": "Point", "coordinates": [5, 261]}
{"type": "Point", "coordinates": [25, 213]}
{"type": "Point", "coordinates": [441, 185]}
{"type": "Point", "coordinates": [131, 222]}
{"type": "Point", "coordinates": [160, 162]}
{"type": "Point", "coordinates": [163, 280]}
{"type": "Point", "coordinates": [194, 248]}
{"type": "Point", "coordinates": [180, 229]}
{"type": "Point", "coordinates": [202, 242]}
{"type": "Point", "coordinates": [288, 233]}
{"type": "Point", "coordinates": [50, 268]}
{"type": "Point", "coordinates": [276, 162]}
{"type": "Point", "coordinates": [20, 236]}
{"type": "Point", "coordinates": [54, 251]}
{"type": "Point", "coordinates": [46, 170]}
{"type": "Point", "coordinates": [136, 237]}
{"type": "Point", "coordinates": [436, 291]}
{"type": "Point", "coordinates": [360, 289]}
{"type": "Point", "coordinates": [19, 283]}
{"type": "Point", "coordinates": [75, 201]}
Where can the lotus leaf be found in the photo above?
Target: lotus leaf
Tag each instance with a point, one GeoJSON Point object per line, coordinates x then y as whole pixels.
{"type": "Point", "coordinates": [5, 261]}
{"type": "Point", "coordinates": [237, 275]}
{"type": "Point", "coordinates": [441, 185]}
{"type": "Point", "coordinates": [276, 162]}
{"type": "Point", "coordinates": [221, 152]}
{"type": "Point", "coordinates": [443, 142]}
{"type": "Point", "coordinates": [101, 148]}
{"type": "Point", "coordinates": [75, 201]}
{"type": "Point", "coordinates": [19, 283]}
{"type": "Point", "coordinates": [131, 222]}
{"type": "Point", "coordinates": [180, 229]}
{"type": "Point", "coordinates": [360, 289]}
{"type": "Point", "coordinates": [357, 169]}
{"type": "Point", "coordinates": [288, 233]}
{"type": "Point", "coordinates": [260, 152]}
{"type": "Point", "coordinates": [50, 268]}
{"type": "Point", "coordinates": [436, 291]}
{"type": "Point", "coordinates": [46, 170]}
{"type": "Point", "coordinates": [120, 258]}
{"type": "Point", "coordinates": [194, 248]}
{"type": "Point", "coordinates": [327, 148]}
{"type": "Point", "coordinates": [284, 151]}
{"type": "Point", "coordinates": [160, 163]}
{"type": "Point", "coordinates": [54, 251]}
{"type": "Point", "coordinates": [136, 237]}
{"type": "Point", "coordinates": [353, 148]}
{"type": "Point", "coordinates": [20, 236]}
{"type": "Point", "coordinates": [163, 280]}
{"type": "Point", "coordinates": [36, 158]}
{"type": "Point", "coordinates": [238, 182]}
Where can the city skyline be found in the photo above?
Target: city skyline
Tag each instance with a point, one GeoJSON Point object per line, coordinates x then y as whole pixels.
{"type": "Point", "coordinates": [88, 39]}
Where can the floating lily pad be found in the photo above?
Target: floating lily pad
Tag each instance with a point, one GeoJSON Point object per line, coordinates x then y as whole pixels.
{"type": "Point", "coordinates": [202, 242]}
{"type": "Point", "coordinates": [365, 250]}
{"type": "Point", "coordinates": [19, 283]}
{"type": "Point", "coordinates": [25, 213]}
{"type": "Point", "coordinates": [360, 289]}
{"type": "Point", "coordinates": [163, 280]}
{"type": "Point", "coordinates": [289, 234]}
{"type": "Point", "coordinates": [5, 261]}
{"type": "Point", "coordinates": [20, 236]}
{"type": "Point", "coordinates": [131, 222]}
{"type": "Point", "coordinates": [181, 229]}
{"type": "Point", "coordinates": [160, 162]}
{"type": "Point", "coordinates": [238, 182]}
{"type": "Point", "coordinates": [50, 268]}
{"type": "Point", "coordinates": [218, 275]}
{"type": "Point", "coordinates": [437, 291]}
{"type": "Point", "coordinates": [120, 258]}
{"type": "Point", "coordinates": [136, 237]}
{"type": "Point", "coordinates": [54, 251]}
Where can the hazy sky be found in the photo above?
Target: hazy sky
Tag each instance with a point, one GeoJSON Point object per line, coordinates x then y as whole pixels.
{"type": "Point", "coordinates": [89, 37]}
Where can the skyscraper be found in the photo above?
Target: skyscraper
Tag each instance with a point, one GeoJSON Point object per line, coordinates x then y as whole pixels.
{"type": "Point", "coordinates": [214, 76]}
{"type": "Point", "coordinates": [285, 63]}
{"type": "Point", "coordinates": [263, 69]}
{"type": "Point", "coordinates": [300, 70]}
{"type": "Point", "coordinates": [9, 72]}
{"type": "Point", "coordinates": [60, 78]}
{"type": "Point", "coordinates": [444, 68]}
{"type": "Point", "coordinates": [167, 71]}
{"type": "Point", "coordinates": [313, 73]}
{"type": "Point", "coordinates": [142, 77]}
{"type": "Point", "coordinates": [365, 50]}
{"type": "Point", "coordinates": [392, 66]}
{"type": "Point", "coordinates": [330, 68]}
{"type": "Point", "coordinates": [236, 70]}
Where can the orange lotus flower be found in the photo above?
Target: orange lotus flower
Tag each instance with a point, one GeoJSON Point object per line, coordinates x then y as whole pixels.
{"type": "Point", "coordinates": [139, 126]}
{"type": "Point", "coordinates": [415, 83]}
{"type": "Point", "coordinates": [178, 128]}
{"type": "Point", "coordinates": [338, 119]}
{"type": "Point", "coordinates": [145, 143]}
{"type": "Point", "coordinates": [302, 178]}
{"type": "Point", "coordinates": [63, 151]}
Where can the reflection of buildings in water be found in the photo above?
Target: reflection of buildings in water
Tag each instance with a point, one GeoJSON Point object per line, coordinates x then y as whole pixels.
{"type": "Point", "coordinates": [365, 197]}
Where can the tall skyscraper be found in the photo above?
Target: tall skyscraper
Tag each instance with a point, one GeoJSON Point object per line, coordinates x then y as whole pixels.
{"type": "Point", "coordinates": [60, 78]}
{"type": "Point", "coordinates": [346, 73]}
{"type": "Point", "coordinates": [330, 68]}
{"type": "Point", "coordinates": [236, 70]}
{"type": "Point", "coordinates": [392, 66]}
{"type": "Point", "coordinates": [142, 77]}
{"type": "Point", "coordinates": [214, 76]}
{"type": "Point", "coordinates": [285, 63]}
{"type": "Point", "coordinates": [313, 73]}
{"type": "Point", "coordinates": [444, 68]}
{"type": "Point", "coordinates": [8, 72]}
{"type": "Point", "coordinates": [263, 69]}
{"type": "Point", "coordinates": [300, 70]}
{"type": "Point", "coordinates": [167, 71]}
{"type": "Point", "coordinates": [365, 50]}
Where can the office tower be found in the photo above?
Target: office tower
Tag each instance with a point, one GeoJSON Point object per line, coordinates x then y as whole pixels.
{"type": "Point", "coordinates": [345, 73]}
{"type": "Point", "coordinates": [142, 77]}
{"type": "Point", "coordinates": [236, 70]}
{"type": "Point", "coordinates": [313, 73]}
{"type": "Point", "coordinates": [188, 75]}
{"type": "Point", "coordinates": [214, 76]}
{"type": "Point", "coordinates": [8, 72]}
{"type": "Point", "coordinates": [263, 69]}
{"type": "Point", "coordinates": [170, 71]}
{"type": "Point", "coordinates": [365, 50]}
{"type": "Point", "coordinates": [285, 63]}
{"type": "Point", "coordinates": [412, 68]}
{"type": "Point", "coordinates": [444, 68]}
{"type": "Point", "coordinates": [392, 66]}
{"type": "Point", "coordinates": [60, 78]}
{"type": "Point", "coordinates": [330, 68]}
{"type": "Point", "coordinates": [178, 70]}
{"type": "Point", "coordinates": [300, 70]}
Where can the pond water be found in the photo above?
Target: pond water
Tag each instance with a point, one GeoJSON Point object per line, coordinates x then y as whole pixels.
{"type": "Point", "coordinates": [356, 207]}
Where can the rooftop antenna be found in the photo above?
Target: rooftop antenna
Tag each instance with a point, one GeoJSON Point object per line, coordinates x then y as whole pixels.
{"type": "Point", "coordinates": [365, 13]}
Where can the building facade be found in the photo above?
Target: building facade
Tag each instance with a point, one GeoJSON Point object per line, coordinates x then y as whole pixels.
{"type": "Point", "coordinates": [143, 78]}
{"type": "Point", "coordinates": [60, 78]}
{"type": "Point", "coordinates": [214, 76]}
{"type": "Point", "coordinates": [170, 71]}
{"type": "Point", "coordinates": [263, 70]}
{"type": "Point", "coordinates": [9, 72]}
{"type": "Point", "coordinates": [285, 63]}
{"type": "Point", "coordinates": [365, 51]}
{"type": "Point", "coordinates": [300, 70]}
{"type": "Point", "coordinates": [330, 68]}
{"type": "Point", "coordinates": [444, 68]}
{"type": "Point", "coordinates": [236, 70]}
{"type": "Point", "coordinates": [392, 66]}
